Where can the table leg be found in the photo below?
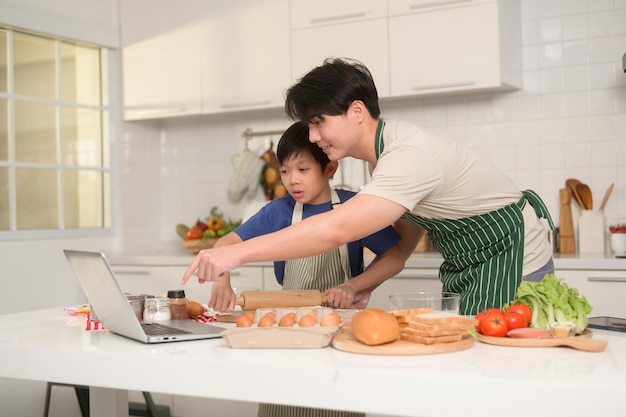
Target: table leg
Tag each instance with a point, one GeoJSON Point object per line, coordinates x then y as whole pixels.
{"type": "Point", "coordinates": [108, 402]}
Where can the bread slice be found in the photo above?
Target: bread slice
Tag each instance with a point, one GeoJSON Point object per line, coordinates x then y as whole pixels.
{"type": "Point", "coordinates": [403, 316]}
{"type": "Point", "coordinates": [431, 340]}
{"type": "Point", "coordinates": [434, 331]}
{"type": "Point", "coordinates": [443, 321]}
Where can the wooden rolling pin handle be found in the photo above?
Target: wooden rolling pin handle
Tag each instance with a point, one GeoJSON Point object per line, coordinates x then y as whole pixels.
{"type": "Point", "coordinates": [252, 300]}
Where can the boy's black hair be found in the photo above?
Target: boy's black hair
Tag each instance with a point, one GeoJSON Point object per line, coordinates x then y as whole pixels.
{"type": "Point", "coordinates": [330, 89]}
{"type": "Point", "coordinates": [294, 141]}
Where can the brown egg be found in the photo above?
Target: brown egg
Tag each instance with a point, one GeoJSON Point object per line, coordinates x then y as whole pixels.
{"type": "Point", "coordinates": [268, 320]}
{"type": "Point", "coordinates": [308, 320]}
{"type": "Point", "coordinates": [249, 314]}
{"type": "Point", "coordinates": [288, 320]}
{"type": "Point", "coordinates": [331, 319]}
{"type": "Point", "coordinates": [245, 321]}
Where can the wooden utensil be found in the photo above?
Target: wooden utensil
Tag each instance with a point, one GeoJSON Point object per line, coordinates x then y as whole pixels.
{"type": "Point", "coordinates": [584, 192]}
{"type": "Point", "coordinates": [607, 194]}
{"type": "Point", "coordinates": [251, 300]}
{"type": "Point", "coordinates": [566, 228]}
{"type": "Point", "coordinates": [571, 184]}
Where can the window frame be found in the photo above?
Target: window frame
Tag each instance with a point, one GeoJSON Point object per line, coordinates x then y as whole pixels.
{"type": "Point", "coordinates": [104, 168]}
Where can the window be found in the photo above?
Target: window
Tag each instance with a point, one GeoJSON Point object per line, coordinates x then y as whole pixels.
{"type": "Point", "coordinates": [54, 147]}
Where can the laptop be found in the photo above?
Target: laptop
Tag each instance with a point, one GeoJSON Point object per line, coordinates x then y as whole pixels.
{"type": "Point", "coordinates": [112, 308]}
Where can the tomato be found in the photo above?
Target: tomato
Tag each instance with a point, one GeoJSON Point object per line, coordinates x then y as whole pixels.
{"type": "Point", "coordinates": [494, 310]}
{"type": "Point", "coordinates": [494, 325]}
{"type": "Point", "coordinates": [193, 234]}
{"type": "Point", "coordinates": [515, 320]}
{"type": "Point", "coordinates": [522, 309]}
{"type": "Point", "coordinates": [480, 317]}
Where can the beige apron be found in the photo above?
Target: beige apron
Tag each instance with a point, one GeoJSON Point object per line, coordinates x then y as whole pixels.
{"type": "Point", "coordinates": [319, 272]}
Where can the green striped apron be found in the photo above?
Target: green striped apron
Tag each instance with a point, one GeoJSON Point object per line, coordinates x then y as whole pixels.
{"type": "Point", "coordinates": [483, 254]}
{"type": "Point", "coordinates": [319, 272]}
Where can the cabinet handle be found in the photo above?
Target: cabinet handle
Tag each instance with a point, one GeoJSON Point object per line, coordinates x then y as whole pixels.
{"type": "Point", "coordinates": [436, 4]}
{"type": "Point", "coordinates": [425, 275]}
{"type": "Point", "coordinates": [442, 85]}
{"type": "Point", "coordinates": [240, 105]}
{"type": "Point", "coordinates": [234, 273]}
{"type": "Point", "coordinates": [337, 18]}
{"type": "Point", "coordinates": [120, 272]}
{"type": "Point", "coordinates": [606, 279]}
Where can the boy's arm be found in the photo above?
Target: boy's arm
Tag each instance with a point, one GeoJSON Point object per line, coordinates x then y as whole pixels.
{"type": "Point", "coordinates": [356, 292]}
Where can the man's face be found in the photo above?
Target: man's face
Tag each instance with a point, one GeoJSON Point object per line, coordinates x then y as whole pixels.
{"type": "Point", "coordinates": [334, 134]}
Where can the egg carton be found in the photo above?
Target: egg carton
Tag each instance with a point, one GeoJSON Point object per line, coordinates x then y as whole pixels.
{"type": "Point", "coordinates": [276, 337]}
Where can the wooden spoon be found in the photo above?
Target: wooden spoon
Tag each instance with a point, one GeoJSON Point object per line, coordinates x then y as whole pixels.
{"type": "Point", "coordinates": [571, 183]}
{"type": "Point", "coordinates": [607, 194]}
{"type": "Point", "coordinates": [586, 197]}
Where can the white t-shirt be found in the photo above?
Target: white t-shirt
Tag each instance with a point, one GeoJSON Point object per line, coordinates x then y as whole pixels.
{"type": "Point", "coordinates": [439, 180]}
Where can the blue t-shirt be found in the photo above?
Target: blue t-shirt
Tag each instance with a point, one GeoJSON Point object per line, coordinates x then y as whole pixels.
{"type": "Point", "coordinates": [276, 215]}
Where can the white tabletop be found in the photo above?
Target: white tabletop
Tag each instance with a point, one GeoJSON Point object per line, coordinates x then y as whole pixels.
{"type": "Point", "coordinates": [484, 380]}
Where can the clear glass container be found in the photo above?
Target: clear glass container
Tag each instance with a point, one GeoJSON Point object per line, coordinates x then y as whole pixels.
{"type": "Point", "coordinates": [157, 309]}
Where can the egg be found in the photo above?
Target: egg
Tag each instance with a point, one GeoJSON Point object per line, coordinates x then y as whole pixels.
{"type": "Point", "coordinates": [288, 320]}
{"type": "Point", "coordinates": [268, 320]}
{"type": "Point", "coordinates": [331, 319]}
{"type": "Point", "coordinates": [308, 320]}
{"type": "Point", "coordinates": [245, 321]}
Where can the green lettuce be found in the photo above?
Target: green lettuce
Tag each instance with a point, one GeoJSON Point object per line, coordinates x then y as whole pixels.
{"type": "Point", "coordinates": [552, 300]}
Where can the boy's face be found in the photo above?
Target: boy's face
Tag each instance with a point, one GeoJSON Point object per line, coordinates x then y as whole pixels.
{"type": "Point", "coordinates": [305, 180]}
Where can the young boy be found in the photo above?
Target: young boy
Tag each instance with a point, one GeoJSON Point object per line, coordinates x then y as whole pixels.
{"type": "Point", "coordinates": [338, 273]}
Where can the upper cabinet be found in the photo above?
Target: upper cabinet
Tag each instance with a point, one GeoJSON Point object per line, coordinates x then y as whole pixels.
{"type": "Point", "coordinates": [194, 57]}
{"type": "Point", "coordinates": [246, 55]}
{"type": "Point", "coordinates": [454, 45]}
{"type": "Point", "coordinates": [351, 29]}
{"type": "Point", "coordinates": [201, 57]}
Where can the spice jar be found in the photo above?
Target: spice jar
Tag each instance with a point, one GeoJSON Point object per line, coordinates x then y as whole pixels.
{"type": "Point", "coordinates": [156, 309]}
{"type": "Point", "coordinates": [178, 304]}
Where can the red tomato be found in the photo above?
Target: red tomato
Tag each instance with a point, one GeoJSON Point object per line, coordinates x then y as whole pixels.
{"type": "Point", "coordinates": [193, 234]}
{"type": "Point", "coordinates": [494, 310]}
{"type": "Point", "coordinates": [494, 325]}
{"type": "Point", "coordinates": [515, 320]}
{"type": "Point", "coordinates": [480, 317]}
{"type": "Point", "coordinates": [522, 309]}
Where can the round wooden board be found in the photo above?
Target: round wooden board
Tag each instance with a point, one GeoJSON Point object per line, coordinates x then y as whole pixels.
{"type": "Point", "coordinates": [583, 341]}
{"type": "Point", "coordinates": [346, 342]}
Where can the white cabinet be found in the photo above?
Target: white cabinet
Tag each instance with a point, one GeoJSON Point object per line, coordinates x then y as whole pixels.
{"type": "Point", "coordinates": [604, 289]}
{"type": "Point", "coordinates": [350, 29]}
{"type": "Point", "coordinates": [445, 46]}
{"type": "Point", "coordinates": [161, 59]}
{"type": "Point", "coordinates": [193, 56]}
{"type": "Point", "coordinates": [408, 280]}
{"type": "Point", "coordinates": [246, 55]}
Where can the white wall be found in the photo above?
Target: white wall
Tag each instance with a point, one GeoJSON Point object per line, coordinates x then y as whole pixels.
{"type": "Point", "coordinates": [569, 120]}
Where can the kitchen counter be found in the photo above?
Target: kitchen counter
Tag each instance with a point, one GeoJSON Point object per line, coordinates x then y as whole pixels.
{"type": "Point", "coordinates": [417, 260]}
{"type": "Point", "coordinates": [48, 345]}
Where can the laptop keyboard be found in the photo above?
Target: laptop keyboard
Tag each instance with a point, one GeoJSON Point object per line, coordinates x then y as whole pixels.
{"type": "Point", "coordinates": [158, 329]}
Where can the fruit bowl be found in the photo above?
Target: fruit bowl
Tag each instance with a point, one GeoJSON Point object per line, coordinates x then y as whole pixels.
{"type": "Point", "coordinates": [196, 245]}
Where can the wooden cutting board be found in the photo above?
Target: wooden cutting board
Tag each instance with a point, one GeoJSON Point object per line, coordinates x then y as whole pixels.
{"type": "Point", "coordinates": [346, 342]}
{"type": "Point", "coordinates": [581, 342]}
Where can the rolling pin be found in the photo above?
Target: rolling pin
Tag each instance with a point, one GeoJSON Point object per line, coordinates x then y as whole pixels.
{"type": "Point", "coordinates": [251, 300]}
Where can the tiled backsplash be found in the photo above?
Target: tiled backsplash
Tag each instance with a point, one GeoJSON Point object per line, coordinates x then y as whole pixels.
{"type": "Point", "coordinates": [569, 120]}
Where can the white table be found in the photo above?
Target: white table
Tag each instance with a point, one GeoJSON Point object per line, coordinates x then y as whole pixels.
{"type": "Point", "coordinates": [484, 380]}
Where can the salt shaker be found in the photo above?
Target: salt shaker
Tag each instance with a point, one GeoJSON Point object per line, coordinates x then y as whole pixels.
{"type": "Point", "coordinates": [156, 309]}
{"type": "Point", "coordinates": [178, 304]}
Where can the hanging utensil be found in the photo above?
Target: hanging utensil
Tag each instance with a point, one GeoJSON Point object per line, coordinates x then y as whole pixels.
{"type": "Point", "coordinates": [571, 184]}
{"type": "Point", "coordinates": [586, 197]}
{"type": "Point", "coordinates": [607, 194]}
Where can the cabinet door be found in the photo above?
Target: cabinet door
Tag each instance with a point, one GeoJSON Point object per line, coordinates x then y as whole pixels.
{"type": "Point", "coordinates": [306, 14]}
{"type": "Point", "coordinates": [409, 280]}
{"type": "Point", "coordinates": [246, 55]}
{"type": "Point", "coordinates": [401, 7]}
{"type": "Point", "coordinates": [604, 290]}
{"type": "Point", "coordinates": [161, 60]}
{"type": "Point", "coordinates": [365, 41]}
{"type": "Point", "coordinates": [451, 49]}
